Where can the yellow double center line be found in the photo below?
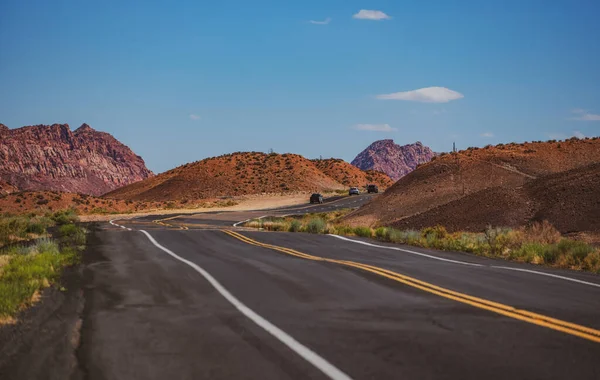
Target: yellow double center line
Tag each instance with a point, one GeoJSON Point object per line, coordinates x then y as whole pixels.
{"type": "Point", "coordinates": [162, 223]}
{"type": "Point", "coordinates": [508, 311]}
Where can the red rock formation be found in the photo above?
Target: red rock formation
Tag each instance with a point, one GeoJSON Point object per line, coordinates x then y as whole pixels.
{"type": "Point", "coordinates": [52, 157]}
{"type": "Point", "coordinates": [394, 160]}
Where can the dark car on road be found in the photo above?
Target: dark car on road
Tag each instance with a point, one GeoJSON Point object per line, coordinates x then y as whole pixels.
{"type": "Point", "coordinates": [372, 189]}
{"type": "Point", "coordinates": [354, 191]}
{"type": "Point", "coordinates": [316, 198]}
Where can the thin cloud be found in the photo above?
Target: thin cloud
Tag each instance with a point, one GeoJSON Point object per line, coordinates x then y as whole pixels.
{"type": "Point", "coordinates": [583, 115]}
{"type": "Point", "coordinates": [194, 117]}
{"type": "Point", "coordinates": [579, 135]}
{"type": "Point", "coordinates": [365, 14]}
{"type": "Point", "coordinates": [425, 95]}
{"type": "Point", "coordinates": [324, 22]}
{"type": "Point", "coordinates": [487, 134]}
{"type": "Point", "coordinates": [558, 136]}
{"type": "Point", "coordinates": [374, 127]}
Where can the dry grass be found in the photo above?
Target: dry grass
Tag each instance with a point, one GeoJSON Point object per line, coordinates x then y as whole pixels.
{"type": "Point", "coordinates": [539, 243]}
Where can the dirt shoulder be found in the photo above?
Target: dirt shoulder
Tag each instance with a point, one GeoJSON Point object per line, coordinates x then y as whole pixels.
{"type": "Point", "coordinates": [46, 335]}
{"type": "Point", "coordinates": [247, 203]}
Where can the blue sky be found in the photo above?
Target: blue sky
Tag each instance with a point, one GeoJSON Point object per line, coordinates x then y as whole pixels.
{"type": "Point", "coordinates": [184, 80]}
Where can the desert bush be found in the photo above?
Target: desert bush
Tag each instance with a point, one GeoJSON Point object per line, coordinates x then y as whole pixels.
{"type": "Point", "coordinates": [72, 234]}
{"type": "Point", "coordinates": [64, 217]}
{"type": "Point", "coordinates": [295, 226]}
{"type": "Point", "coordinates": [382, 233]}
{"type": "Point", "coordinates": [543, 232]}
{"type": "Point", "coordinates": [316, 225]}
{"type": "Point", "coordinates": [363, 231]}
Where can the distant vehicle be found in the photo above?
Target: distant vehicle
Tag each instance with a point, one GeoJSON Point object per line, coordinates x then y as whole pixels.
{"type": "Point", "coordinates": [316, 198]}
{"type": "Point", "coordinates": [354, 191]}
{"type": "Point", "coordinates": [372, 189]}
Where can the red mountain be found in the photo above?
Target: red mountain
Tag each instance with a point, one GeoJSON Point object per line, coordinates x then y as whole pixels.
{"type": "Point", "coordinates": [394, 160]}
{"type": "Point", "coordinates": [52, 157]}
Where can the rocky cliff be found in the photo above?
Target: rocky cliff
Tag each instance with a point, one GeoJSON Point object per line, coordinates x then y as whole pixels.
{"type": "Point", "coordinates": [52, 157]}
{"type": "Point", "coordinates": [394, 160]}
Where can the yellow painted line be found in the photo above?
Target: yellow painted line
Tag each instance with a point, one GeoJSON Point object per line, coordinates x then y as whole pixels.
{"type": "Point", "coordinates": [498, 308]}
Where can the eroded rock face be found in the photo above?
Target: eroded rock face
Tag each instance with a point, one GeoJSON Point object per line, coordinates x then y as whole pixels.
{"type": "Point", "coordinates": [394, 160]}
{"type": "Point", "coordinates": [52, 157]}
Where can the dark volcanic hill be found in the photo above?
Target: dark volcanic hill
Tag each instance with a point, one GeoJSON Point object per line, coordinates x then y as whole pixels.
{"type": "Point", "coordinates": [505, 185]}
{"type": "Point", "coordinates": [52, 157]}
{"type": "Point", "coordinates": [392, 159]}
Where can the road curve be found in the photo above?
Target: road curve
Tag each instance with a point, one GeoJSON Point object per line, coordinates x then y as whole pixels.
{"type": "Point", "coordinates": [154, 312]}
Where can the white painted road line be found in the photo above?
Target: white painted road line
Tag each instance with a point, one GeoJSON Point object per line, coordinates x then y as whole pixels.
{"type": "Point", "coordinates": [549, 275]}
{"type": "Point", "coordinates": [118, 225]}
{"type": "Point", "coordinates": [247, 220]}
{"type": "Point", "coordinates": [471, 264]}
{"type": "Point", "coordinates": [306, 353]}
{"type": "Point", "coordinates": [405, 250]}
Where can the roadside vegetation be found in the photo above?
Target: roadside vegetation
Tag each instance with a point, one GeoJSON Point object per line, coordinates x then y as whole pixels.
{"type": "Point", "coordinates": [539, 243]}
{"type": "Point", "coordinates": [32, 258]}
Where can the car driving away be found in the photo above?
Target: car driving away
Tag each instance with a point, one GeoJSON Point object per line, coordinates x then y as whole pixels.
{"type": "Point", "coordinates": [354, 191]}
{"type": "Point", "coordinates": [372, 189]}
{"type": "Point", "coordinates": [316, 198]}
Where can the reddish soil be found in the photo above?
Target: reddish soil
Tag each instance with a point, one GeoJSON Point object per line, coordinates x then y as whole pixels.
{"type": "Point", "coordinates": [351, 176]}
{"type": "Point", "coordinates": [506, 185]}
{"type": "Point", "coordinates": [231, 175]}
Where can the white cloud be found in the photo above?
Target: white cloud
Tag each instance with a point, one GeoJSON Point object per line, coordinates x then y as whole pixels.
{"type": "Point", "coordinates": [324, 22]}
{"type": "Point", "coordinates": [584, 115]}
{"type": "Point", "coordinates": [375, 127]}
{"type": "Point", "coordinates": [194, 117]}
{"type": "Point", "coordinates": [487, 134]}
{"type": "Point", "coordinates": [426, 95]}
{"type": "Point", "coordinates": [579, 135]}
{"type": "Point", "coordinates": [558, 136]}
{"type": "Point", "coordinates": [365, 14]}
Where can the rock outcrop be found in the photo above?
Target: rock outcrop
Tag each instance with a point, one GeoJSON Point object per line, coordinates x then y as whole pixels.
{"type": "Point", "coordinates": [394, 160]}
{"type": "Point", "coordinates": [52, 157]}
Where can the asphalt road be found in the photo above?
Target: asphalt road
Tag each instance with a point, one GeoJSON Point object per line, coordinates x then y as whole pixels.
{"type": "Point", "coordinates": [205, 304]}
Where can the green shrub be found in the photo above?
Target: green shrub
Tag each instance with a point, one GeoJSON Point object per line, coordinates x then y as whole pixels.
{"type": "Point", "coordinates": [363, 231]}
{"type": "Point", "coordinates": [382, 233]}
{"type": "Point", "coordinates": [316, 226]}
{"type": "Point", "coordinates": [72, 234]}
{"type": "Point", "coordinates": [295, 226]}
{"type": "Point", "coordinates": [64, 217]}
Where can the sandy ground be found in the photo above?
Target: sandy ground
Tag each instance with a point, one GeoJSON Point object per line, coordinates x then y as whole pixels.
{"type": "Point", "coordinates": [250, 202]}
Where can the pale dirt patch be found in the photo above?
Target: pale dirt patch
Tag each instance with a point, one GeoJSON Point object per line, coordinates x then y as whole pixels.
{"type": "Point", "coordinates": [246, 203]}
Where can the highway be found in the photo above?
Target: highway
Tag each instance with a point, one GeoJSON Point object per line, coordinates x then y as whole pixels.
{"type": "Point", "coordinates": [193, 297]}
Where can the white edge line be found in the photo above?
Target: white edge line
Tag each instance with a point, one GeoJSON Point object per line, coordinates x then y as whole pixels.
{"type": "Point", "coordinates": [405, 250]}
{"type": "Point", "coordinates": [549, 275]}
{"type": "Point", "coordinates": [306, 353]}
{"type": "Point", "coordinates": [247, 220]}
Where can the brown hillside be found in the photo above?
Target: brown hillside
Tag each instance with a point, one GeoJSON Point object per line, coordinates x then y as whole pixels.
{"type": "Point", "coordinates": [493, 185]}
{"type": "Point", "coordinates": [349, 175]}
{"type": "Point", "coordinates": [6, 188]}
{"type": "Point", "coordinates": [231, 175]}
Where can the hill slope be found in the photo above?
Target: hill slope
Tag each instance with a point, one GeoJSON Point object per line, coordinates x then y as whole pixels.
{"type": "Point", "coordinates": [503, 185]}
{"type": "Point", "coordinates": [390, 158]}
{"type": "Point", "coordinates": [349, 175]}
{"type": "Point", "coordinates": [231, 175]}
{"type": "Point", "coordinates": [52, 157]}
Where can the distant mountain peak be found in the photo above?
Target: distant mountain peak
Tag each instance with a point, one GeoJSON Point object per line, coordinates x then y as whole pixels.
{"type": "Point", "coordinates": [394, 160]}
{"type": "Point", "coordinates": [84, 128]}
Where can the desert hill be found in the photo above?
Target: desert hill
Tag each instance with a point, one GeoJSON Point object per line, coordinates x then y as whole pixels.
{"type": "Point", "coordinates": [52, 157]}
{"type": "Point", "coordinates": [349, 175]}
{"type": "Point", "coordinates": [7, 188]}
{"type": "Point", "coordinates": [505, 185]}
{"type": "Point", "coordinates": [234, 174]}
